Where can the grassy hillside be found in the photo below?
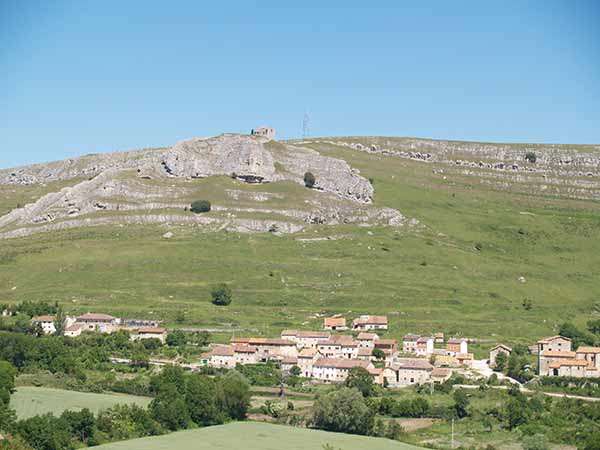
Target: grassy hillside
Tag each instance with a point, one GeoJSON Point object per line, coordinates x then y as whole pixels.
{"type": "Point", "coordinates": [430, 279]}
{"type": "Point", "coordinates": [30, 401]}
{"type": "Point", "coordinates": [256, 436]}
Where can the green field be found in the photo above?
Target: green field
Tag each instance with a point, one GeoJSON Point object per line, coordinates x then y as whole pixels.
{"type": "Point", "coordinates": [30, 401]}
{"type": "Point", "coordinates": [256, 436]}
{"type": "Point", "coordinates": [426, 279]}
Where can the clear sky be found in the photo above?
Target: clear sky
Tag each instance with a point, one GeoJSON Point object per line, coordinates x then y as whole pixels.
{"type": "Point", "coordinates": [84, 76]}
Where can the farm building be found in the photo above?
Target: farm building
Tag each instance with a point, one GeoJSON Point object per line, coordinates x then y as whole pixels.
{"type": "Point", "coordinates": [367, 323]}
{"type": "Point", "coordinates": [494, 352]}
{"type": "Point", "coordinates": [335, 323]}
{"type": "Point", "coordinates": [46, 323]}
{"type": "Point", "coordinates": [407, 371]}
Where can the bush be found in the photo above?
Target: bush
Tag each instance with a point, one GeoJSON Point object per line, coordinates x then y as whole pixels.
{"type": "Point", "coordinates": [200, 206]}
{"type": "Point", "coordinates": [221, 295]}
{"type": "Point", "coordinates": [531, 157]}
{"type": "Point", "coordinates": [343, 410]}
{"type": "Point", "coordinates": [309, 180]}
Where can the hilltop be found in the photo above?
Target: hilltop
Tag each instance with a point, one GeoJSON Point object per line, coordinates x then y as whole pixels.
{"type": "Point", "coordinates": [440, 235]}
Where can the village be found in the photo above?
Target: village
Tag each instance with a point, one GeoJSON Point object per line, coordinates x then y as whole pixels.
{"type": "Point", "coordinates": [328, 355]}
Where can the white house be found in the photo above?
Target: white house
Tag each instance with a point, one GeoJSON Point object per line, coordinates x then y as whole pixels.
{"type": "Point", "coordinates": [409, 343]}
{"type": "Point", "coordinates": [367, 322]}
{"type": "Point", "coordinates": [366, 340]}
{"type": "Point", "coordinates": [454, 346]}
{"type": "Point", "coordinates": [305, 339]}
{"type": "Point", "coordinates": [46, 323]}
{"type": "Point", "coordinates": [220, 356]}
{"type": "Point", "coordinates": [73, 330]}
{"type": "Point", "coordinates": [336, 369]}
{"type": "Point", "coordinates": [424, 346]}
{"type": "Point", "coordinates": [306, 359]}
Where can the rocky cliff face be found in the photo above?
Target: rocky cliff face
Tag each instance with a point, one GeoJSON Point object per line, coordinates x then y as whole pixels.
{"type": "Point", "coordinates": [156, 185]}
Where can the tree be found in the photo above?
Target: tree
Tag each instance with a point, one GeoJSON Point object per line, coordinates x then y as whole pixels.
{"type": "Point", "coordinates": [221, 295]}
{"type": "Point", "coordinates": [59, 322]}
{"type": "Point", "coordinates": [516, 412]}
{"type": "Point", "coordinates": [169, 408]}
{"type": "Point", "coordinates": [234, 395]}
{"type": "Point", "coordinates": [176, 338]}
{"type": "Point", "coordinates": [531, 157]}
{"type": "Point", "coordinates": [201, 400]}
{"type": "Point", "coordinates": [343, 410]}
{"type": "Point", "coordinates": [360, 379]}
{"type": "Point", "coordinates": [594, 326]}
{"type": "Point", "coordinates": [378, 354]}
{"type": "Point", "coordinates": [527, 304]}
{"type": "Point", "coordinates": [7, 418]}
{"type": "Point", "coordinates": [7, 381]}
{"type": "Point", "coordinates": [82, 424]}
{"type": "Point", "coordinates": [394, 430]}
{"type": "Point", "coordinates": [501, 360]}
{"type": "Point", "coordinates": [578, 337]}
{"type": "Point", "coordinates": [295, 371]}
{"type": "Point", "coordinates": [200, 206]}
{"type": "Point", "coordinates": [461, 403]}
{"type": "Point", "coordinates": [46, 432]}
{"type": "Point", "coordinates": [170, 376]}
{"type": "Point", "coordinates": [309, 180]}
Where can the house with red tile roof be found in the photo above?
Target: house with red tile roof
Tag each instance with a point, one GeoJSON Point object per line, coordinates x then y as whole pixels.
{"type": "Point", "coordinates": [335, 323]}
{"type": "Point", "coordinates": [368, 322]}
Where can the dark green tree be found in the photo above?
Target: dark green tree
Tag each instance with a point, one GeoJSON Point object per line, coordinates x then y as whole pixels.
{"type": "Point", "coordinates": [378, 354]}
{"type": "Point", "coordinates": [201, 400]}
{"type": "Point", "coordinates": [461, 403]}
{"type": "Point", "coordinates": [200, 206]}
{"type": "Point", "coordinates": [82, 424]}
{"type": "Point", "coordinates": [234, 394]}
{"type": "Point", "coordinates": [169, 408]}
{"type": "Point", "coordinates": [501, 360]}
{"type": "Point", "coordinates": [343, 410]}
{"type": "Point", "coordinates": [309, 180]}
{"type": "Point", "coordinates": [221, 295]}
{"type": "Point", "coordinates": [176, 338]}
{"type": "Point", "coordinates": [46, 432]}
{"type": "Point", "coordinates": [360, 379]}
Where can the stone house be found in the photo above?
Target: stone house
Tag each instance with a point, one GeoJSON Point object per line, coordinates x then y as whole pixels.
{"type": "Point", "coordinates": [46, 323]}
{"type": "Point", "coordinates": [440, 374]}
{"type": "Point", "coordinates": [365, 353]}
{"type": "Point", "coordinates": [495, 351]}
{"type": "Point", "coordinates": [336, 369]}
{"type": "Point", "coordinates": [567, 367]}
{"type": "Point", "coordinates": [589, 354]}
{"type": "Point", "coordinates": [334, 323]}
{"type": "Point", "coordinates": [245, 354]}
{"type": "Point", "coordinates": [305, 339]}
{"type": "Point", "coordinates": [548, 361]}
{"type": "Point", "coordinates": [288, 362]}
{"type": "Point", "coordinates": [554, 343]}
{"type": "Point", "coordinates": [221, 356]}
{"type": "Point", "coordinates": [367, 322]}
{"type": "Point", "coordinates": [408, 371]}
{"type": "Point", "coordinates": [268, 348]}
{"type": "Point", "coordinates": [103, 323]}
{"type": "Point", "coordinates": [150, 333]}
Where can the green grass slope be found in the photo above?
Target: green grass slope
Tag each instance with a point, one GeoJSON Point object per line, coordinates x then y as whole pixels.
{"type": "Point", "coordinates": [29, 401]}
{"type": "Point", "coordinates": [431, 279]}
{"type": "Point", "coordinates": [256, 436]}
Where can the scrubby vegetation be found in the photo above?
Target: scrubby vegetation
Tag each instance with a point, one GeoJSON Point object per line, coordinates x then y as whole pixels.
{"type": "Point", "coordinates": [200, 206]}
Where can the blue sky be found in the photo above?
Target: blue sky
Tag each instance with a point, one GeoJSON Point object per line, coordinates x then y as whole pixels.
{"type": "Point", "coordinates": [81, 77]}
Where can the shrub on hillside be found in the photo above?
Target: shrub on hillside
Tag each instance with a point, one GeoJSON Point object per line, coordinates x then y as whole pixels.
{"type": "Point", "coordinates": [309, 180]}
{"type": "Point", "coordinates": [531, 157]}
{"type": "Point", "coordinates": [200, 206]}
{"type": "Point", "coordinates": [221, 295]}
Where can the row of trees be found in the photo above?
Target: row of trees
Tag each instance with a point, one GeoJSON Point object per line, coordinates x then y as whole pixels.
{"type": "Point", "coordinates": [182, 400]}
